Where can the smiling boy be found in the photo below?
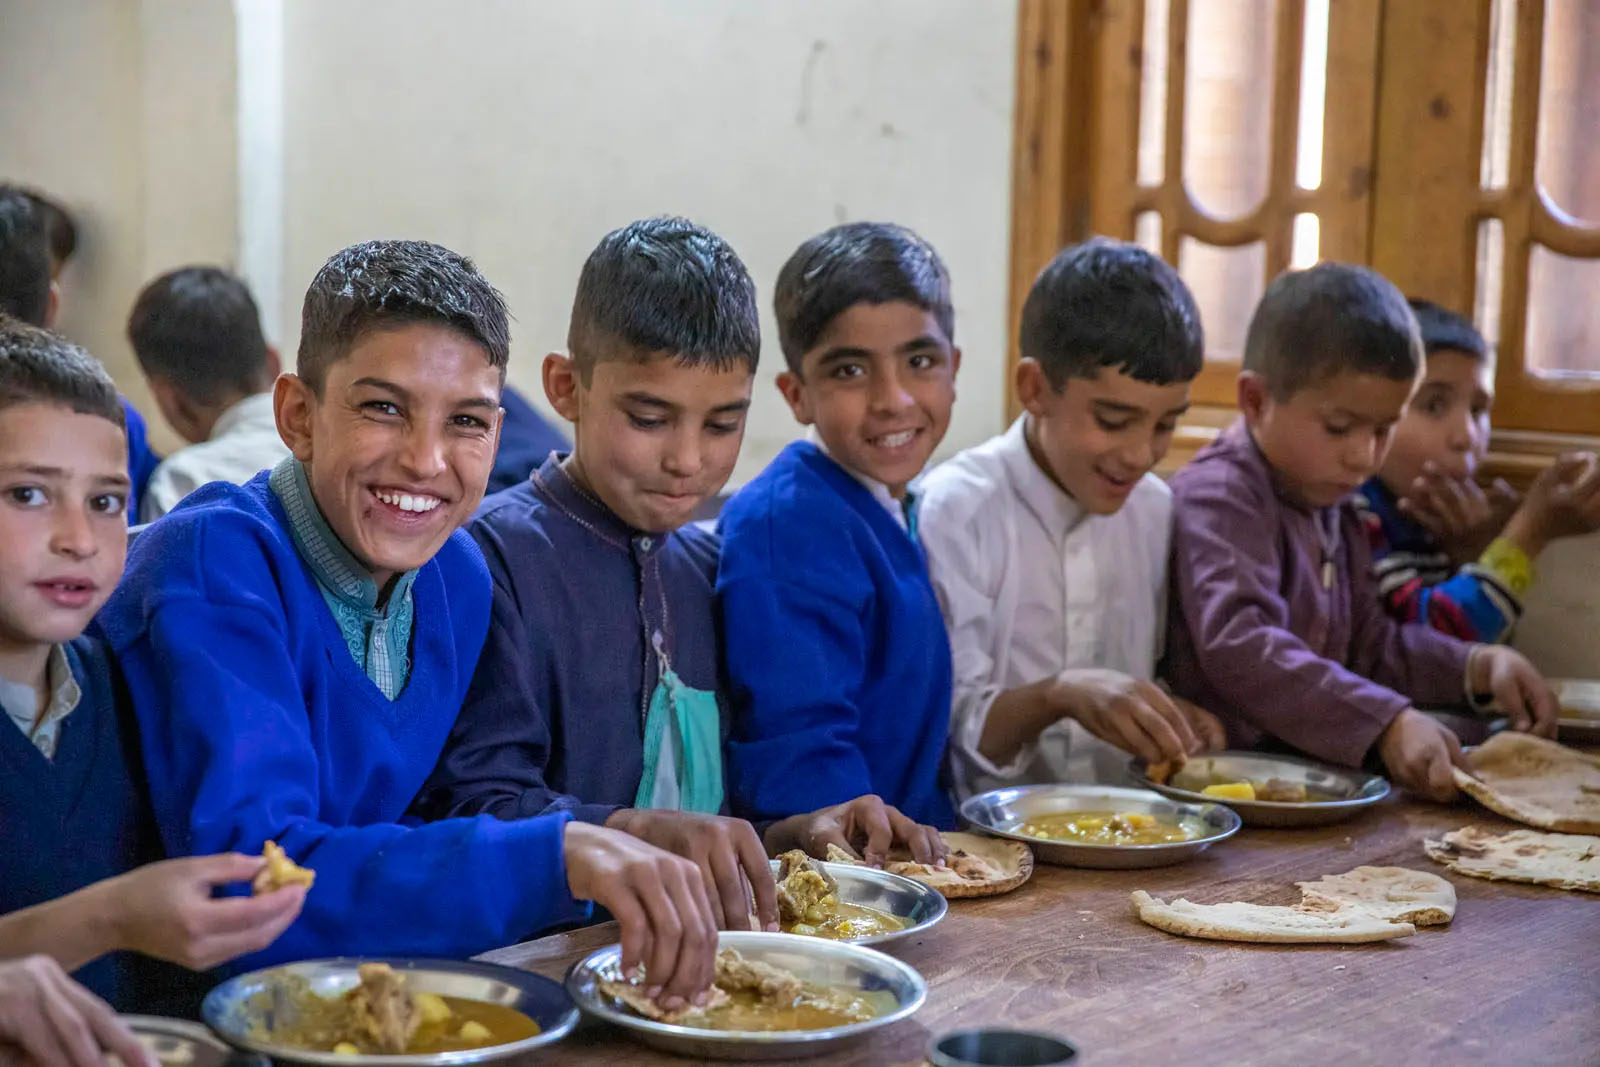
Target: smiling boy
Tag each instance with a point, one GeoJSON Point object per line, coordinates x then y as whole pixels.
{"type": "Point", "coordinates": [298, 647]}
{"type": "Point", "coordinates": [836, 649]}
{"type": "Point", "coordinates": [1048, 545]}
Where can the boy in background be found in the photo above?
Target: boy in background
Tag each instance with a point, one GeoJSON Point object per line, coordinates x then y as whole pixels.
{"type": "Point", "coordinates": [1445, 552]}
{"type": "Point", "coordinates": [342, 610]}
{"type": "Point", "coordinates": [836, 649]}
{"type": "Point", "coordinates": [77, 836]}
{"type": "Point", "coordinates": [1048, 545]}
{"type": "Point", "coordinates": [1276, 623]}
{"type": "Point", "coordinates": [600, 690]}
{"type": "Point", "coordinates": [197, 335]}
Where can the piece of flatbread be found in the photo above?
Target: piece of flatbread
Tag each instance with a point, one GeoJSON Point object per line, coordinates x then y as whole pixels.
{"type": "Point", "coordinates": [1272, 924]}
{"type": "Point", "coordinates": [1535, 781]}
{"type": "Point", "coordinates": [1566, 861]}
{"type": "Point", "coordinates": [279, 871]}
{"type": "Point", "coordinates": [1396, 894]}
{"type": "Point", "coordinates": [977, 866]}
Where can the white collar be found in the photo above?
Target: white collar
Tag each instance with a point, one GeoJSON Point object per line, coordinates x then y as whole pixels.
{"type": "Point", "coordinates": [880, 492]}
{"type": "Point", "coordinates": [252, 411]}
{"type": "Point", "coordinates": [1050, 504]}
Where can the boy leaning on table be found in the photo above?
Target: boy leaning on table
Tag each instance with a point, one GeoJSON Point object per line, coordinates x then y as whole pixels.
{"type": "Point", "coordinates": [298, 647]}
{"type": "Point", "coordinates": [1276, 624]}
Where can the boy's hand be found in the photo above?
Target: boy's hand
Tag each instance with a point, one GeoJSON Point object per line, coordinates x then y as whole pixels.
{"type": "Point", "coordinates": [732, 862]}
{"type": "Point", "coordinates": [864, 827]}
{"type": "Point", "coordinates": [166, 910]}
{"type": "Point", "coordinates": [1462, 516]}
{"type": "Point", "coordinates": [1419, 752]}
{"type": "Point", "coordinates": [1206, 726]}
{"type": "Point", "coordinates": [1135, 716]}
{"type": "Point", "coordinates": [660, 902]}
{"type": "Point", "coordinates": [1564, 501]}
{"type": "Point", "coordinates": [55, 1022]}
{"type": "Point", "coordinates": [1519, 691]}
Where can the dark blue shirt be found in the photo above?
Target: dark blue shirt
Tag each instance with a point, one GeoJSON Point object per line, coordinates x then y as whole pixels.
{"type": "Point", "coordinates": [554, 719]}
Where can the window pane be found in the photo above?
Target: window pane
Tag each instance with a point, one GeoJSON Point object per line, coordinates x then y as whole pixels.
{"type": "Point", "coordinates": [1153, 95]}
{"type": "Point", "coordinates": [1486, 298]}
{"type": "Point", "coordinates": [1227, 114]}
{"type": "Point", "coordinates": [1313, 95]}
{"type": "Point", "coordinates": [1569, 99]}
{"type": "Point", "coordinates": [1147, 231]}
{"type": "Point", "coordinates": [1563, 315]}
{"type": "Point", "coordinates": [1304, 249]}
{"type": "Point", "coordinates": [1226, 283]}
{"type": "Point", "coordinates": [1496, 158]}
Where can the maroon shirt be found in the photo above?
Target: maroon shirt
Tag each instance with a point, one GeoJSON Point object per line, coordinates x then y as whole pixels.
{"type": "Point", "coordinates": [1275, 623]}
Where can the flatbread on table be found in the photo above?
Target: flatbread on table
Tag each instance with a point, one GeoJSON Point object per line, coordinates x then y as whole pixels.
{"type": "Point", "coordinates": [1566, 861]}
{"type": "Point", "coordinates": [1268, 923]}
{"type": "Point", "coordinates": [977, 866]}
{"type": "Point", "coordinates": [1395, 894]}
{"type": "Point", "coordinates": [1535, 781]}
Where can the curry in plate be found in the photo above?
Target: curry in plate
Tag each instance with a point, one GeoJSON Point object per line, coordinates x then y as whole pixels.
{"type": "Point", "coordinates": [809, 904]}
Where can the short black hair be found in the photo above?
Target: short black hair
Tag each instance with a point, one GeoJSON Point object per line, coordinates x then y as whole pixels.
{"type": "Point", "coordinates": [40, 367]}
{"type": "Point", "coordinates": [198, 328]}
{"type": "Point", "coordinates": [24, 257]}
{"type": "Point", "coordinates": [857, 263]}
{"type": "Point", "coordinates": [1335, 318]}
{"type": "Point", "coordinates": [1106, 303]}
{"type": "Point", "coordinates": [1444, 330]}
{"type": "Point", "coordinates": [61, 233]}
{"type": "Point", "coordinates": [664, 286]}
{"type": "Point", "coordinates": [382, 285]}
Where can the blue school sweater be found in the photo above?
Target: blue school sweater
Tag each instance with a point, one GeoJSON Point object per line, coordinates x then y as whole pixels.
{"type": "Point", "coordinates": [836, 648]}
{"type": "Point", "coordinates": [554, 720]}
{"type": "Point", "coordinates": [257, 724]}
{"type": "Point", "coordinates": [82, 817]}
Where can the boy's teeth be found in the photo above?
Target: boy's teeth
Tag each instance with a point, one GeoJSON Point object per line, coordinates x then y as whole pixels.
{"type": "Point", "coordinates": [407, 502]}
{"type": "Point", "coordinates": [895, 440]}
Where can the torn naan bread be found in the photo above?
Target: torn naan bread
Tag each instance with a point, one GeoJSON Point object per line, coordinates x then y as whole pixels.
{"type": "Point", "coordinates": [1565, 861]}
{"type": "Point", "coordinates": [1395, 894]}
{"type": "Point", "coordinates": [976, 866]}
{"type": "Point", "coordinates": [1268, 923]}
{"type": "Point", "coordinates": [1535, 781]}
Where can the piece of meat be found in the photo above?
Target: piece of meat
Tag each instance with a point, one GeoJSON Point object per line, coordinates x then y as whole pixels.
{"type": "Point", "coordinates": [1281, 791]}
{"type": "Point", "coordinates": [802, 885]}
{"type": "Point", "coordinates": [770, 983]}
{"type": "Point", "coordinates": [633, 995]}
{"type": "Point", "coordinates": [279, 871]}
{"type": "Point", "coordinates": [381, 1009]}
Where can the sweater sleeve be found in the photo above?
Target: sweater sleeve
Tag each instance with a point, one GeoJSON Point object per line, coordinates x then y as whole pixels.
{"type": "Point", "coordinates": [232, 764]}
{"type": "Point", "coordinates": [795, 660]}
{"type": "Point", "coordinates": [495, 759]}
{"type": "Point", "coordinates": [1225, 575]}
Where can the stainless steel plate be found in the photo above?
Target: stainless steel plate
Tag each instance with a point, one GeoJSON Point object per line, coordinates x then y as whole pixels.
{"type": "Point", "coordinates": [242, 1009]}
{"type": "Point", "coordinates": [1355, 790]}
{"type": "Point", "coordinates": [178, 1043]}
{"type": "Point", "coordinates": [1001, 811]}
{"type": "Point", "coordinates": [904, 898]}
{"type": "Point", "coordinates": [813, 959]}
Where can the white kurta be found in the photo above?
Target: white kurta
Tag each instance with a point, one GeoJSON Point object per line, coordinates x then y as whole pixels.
{"type": "Point", "coordinates": [243, 443]}
{"type": "Point", "coordinates": [1031, 586]}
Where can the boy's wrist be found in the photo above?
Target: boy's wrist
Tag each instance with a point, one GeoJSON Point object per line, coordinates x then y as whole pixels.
{"type": "Point", "coordinates": [1526, 530]}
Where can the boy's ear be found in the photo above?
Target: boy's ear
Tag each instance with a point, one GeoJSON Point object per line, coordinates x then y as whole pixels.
{"type": "Point", "coordinates": [1032, 386]}
{"type": "Point", "coordinates": [561, 385]}
{"type": "Point", "coordinates": [52, 305]}
{"type": "Point", "coordinates": [793, 388]}
{"type": "Point", "coordinates": [273, 365]}
{"type": "Point", "coordinates": [1253, 396]}
{"type": "Point", "coordinates": [295, 405]}
{"type": "Point", "coordinates": [175, 408]}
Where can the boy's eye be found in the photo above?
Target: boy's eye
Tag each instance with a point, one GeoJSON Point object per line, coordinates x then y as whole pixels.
{"type": "Point", "coordinates": [109, 503]}
{"type": "Point", "coordinates": [923, 360]}
{"type": "Point", "coordinates": [722, 429]}
{"type": "Point", "coordinates": [1112, 425]}
{"type": "Point", "coordinates": [1165, 427]}
{"type": "Point", "coordinates": [469, 422]}
{"type": "Point", "coordinates": [1335, 430]}
{"type": "Point", "coordinates": [380, 407]}
{"type": "Point", "coordinates": [847, 370]}
{"type": "Point", "coordinates": [641, 423]}
{"type": "Point", "coordinates": [30, 496]}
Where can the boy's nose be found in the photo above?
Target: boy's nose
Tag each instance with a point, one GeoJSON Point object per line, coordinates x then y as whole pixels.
{"type": "Point", "coordinates": [683, 456]}
{"type": "Point", "coordinates": [423, 454]}
{"type": "Point", "coordinates": [888, 394]}
{"type": "Point", "coordinates": [72, 535]}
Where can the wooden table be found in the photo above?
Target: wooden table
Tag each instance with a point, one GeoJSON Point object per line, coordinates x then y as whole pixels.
{"type": "Point", "coordinates": [1516, 978]}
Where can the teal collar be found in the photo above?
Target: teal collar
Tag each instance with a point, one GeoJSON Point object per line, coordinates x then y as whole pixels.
{"type": "Point", "coordinates": [335, 569]}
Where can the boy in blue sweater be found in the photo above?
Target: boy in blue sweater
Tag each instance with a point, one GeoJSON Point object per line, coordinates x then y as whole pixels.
{"type": "Point", "coordinates": [298, 647]}
{"type": "Point", "coordinates": [75, 822]}
{"type": "Point", "coordinates": [835, 643]}
{"type": "Point", "coordinates": [600, 688]}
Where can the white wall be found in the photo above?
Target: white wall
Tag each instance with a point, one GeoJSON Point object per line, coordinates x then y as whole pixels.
{"type": "Point", "coordinates": [519, 133]}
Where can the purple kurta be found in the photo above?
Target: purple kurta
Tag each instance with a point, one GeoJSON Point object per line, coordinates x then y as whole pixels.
{"type": "Point", "coordinates": [1276, 626]}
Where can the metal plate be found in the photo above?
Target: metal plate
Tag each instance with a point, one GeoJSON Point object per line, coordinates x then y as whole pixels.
{"type": "Point", "coordinates": [241, 1009]}
{"type": "Point", "coordinates": [178, 1043]}
{"type": "Point", "coordinates": [902, 897]}
{"type": "Point", "coordinates": [1001, 811]}
{"type": "Point", "coordinates": [1356, 789]}
{"type": "Point", "coordinates": [813, 959]}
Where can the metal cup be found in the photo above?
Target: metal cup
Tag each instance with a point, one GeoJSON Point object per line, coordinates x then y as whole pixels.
{"type": "Point", "coordinates": [993, 1047]}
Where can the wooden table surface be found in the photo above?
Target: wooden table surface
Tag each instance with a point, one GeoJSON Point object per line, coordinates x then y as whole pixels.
{"type": "Point", "coordinates": [1515, 979]}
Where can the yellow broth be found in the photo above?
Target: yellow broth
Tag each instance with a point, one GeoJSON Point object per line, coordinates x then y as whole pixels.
{"type": "Point", "coordinates": [1111, 828]}
{"type": "Point", "coordinates": [319, 1024]}
{"type": "Point", "coordinates": [847, 922]}
{"type": "Point", "coordinates": [816, 1009]}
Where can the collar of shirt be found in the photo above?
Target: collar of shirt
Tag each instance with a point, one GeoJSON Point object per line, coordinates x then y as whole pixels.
{"type": "Point", "coordinates": [252, 413]}
{"type": "Point", "coordinates": [21, 702]}
{"type": "Point", "coordinates": [555, 484]}
{"type": "Point", "coordinates": [1050, 504]}
{"type": "Point", "coordinates": [332, 565]}
{"type": "Point", "coordinates": [903, 512]}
